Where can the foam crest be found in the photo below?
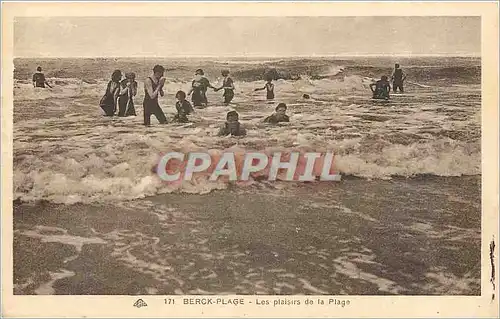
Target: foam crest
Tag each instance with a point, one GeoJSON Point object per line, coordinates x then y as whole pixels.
{"type": "Point", "coordinates": [62, 88]}
{"type": "Point", "coordinates": [114, 174]}
{"type": "Point", "coordinates": [66, 151]}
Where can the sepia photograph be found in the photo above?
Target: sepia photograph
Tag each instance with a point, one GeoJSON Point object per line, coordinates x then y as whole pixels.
{"type": "Point", "coordinates": [248, 155]}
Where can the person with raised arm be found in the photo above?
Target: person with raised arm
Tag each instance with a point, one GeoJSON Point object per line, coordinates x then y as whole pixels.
{"type": "Point", "coordinates": [128, 89]}
{"type": "Point", "coordinates": [199, 87]}
{"type": "Point", "coordinates": [228, 86]}
{"type": "Point", "coordinates": [269, 87]}
{"type": "Point", "coordinates": [153, 87]}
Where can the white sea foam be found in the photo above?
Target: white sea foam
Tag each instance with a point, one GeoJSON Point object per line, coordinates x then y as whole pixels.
{"type": "Point", "coordinates": [88, 157]}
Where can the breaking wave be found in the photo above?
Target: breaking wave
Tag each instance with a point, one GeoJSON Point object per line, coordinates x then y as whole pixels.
{"type": "Point", "coordinates": [66, 151]}
{"type": "Point", "coordinates": [442, 70]}
{"type": "Point", "coordinates": [117, 172]}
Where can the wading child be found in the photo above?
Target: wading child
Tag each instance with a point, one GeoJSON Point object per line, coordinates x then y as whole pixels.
{"type": "Point", "coordinates": [228, 86]}
{"type": "Point", "coordinates": [279, 116]}
{"type": "Point", "coordinates": [183, 107]}
{"type": "Point", "coordinates": [128, 89]}
{"type": "Point", "coordinates": [232, 126]}
{"type": "Point", "coordinates": [269, 87]}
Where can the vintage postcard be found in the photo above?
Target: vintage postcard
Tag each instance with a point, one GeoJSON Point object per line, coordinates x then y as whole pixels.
{"type": "Point", "coordinates": [198, 159]}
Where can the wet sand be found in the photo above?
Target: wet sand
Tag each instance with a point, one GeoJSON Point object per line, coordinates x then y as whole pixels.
{"type": "Point", "coordinates": [418, 236]}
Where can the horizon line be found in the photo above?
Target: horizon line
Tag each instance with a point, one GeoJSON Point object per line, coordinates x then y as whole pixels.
{"type": "Point", "coordinates": [476, 55]}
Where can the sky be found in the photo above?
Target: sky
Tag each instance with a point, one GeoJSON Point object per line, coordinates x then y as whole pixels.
{"type": "Point", "coordinates": [245, 36]}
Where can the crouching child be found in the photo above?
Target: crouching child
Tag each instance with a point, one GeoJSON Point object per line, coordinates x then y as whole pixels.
{"type": "Point", "coordinates": [232, 126]}
{"type": "Point", "coordinates": [183, 107]}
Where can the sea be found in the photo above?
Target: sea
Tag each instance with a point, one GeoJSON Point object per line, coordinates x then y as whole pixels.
{"type": "Point", "coordinates": [91, 217]}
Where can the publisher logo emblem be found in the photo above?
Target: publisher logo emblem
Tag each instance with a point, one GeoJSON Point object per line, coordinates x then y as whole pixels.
{"type": "Point", "coordinates": [140, 303]}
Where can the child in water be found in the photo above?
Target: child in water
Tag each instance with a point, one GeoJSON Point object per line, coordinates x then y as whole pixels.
{"type": "Point", "coordinates": [269, 87]}
{"type": "Point", "coordinates": [381, 88]}
{"type": "Point", "coordinates": [279, 116]}
{"type": "Point", "coordinates": [228, 86]}
{"type": "Point", "coordinates": [199, 88]}
{"type": "Point", "coordinates": [128, 89]}
{"type": "Point", "coordinates": [183, 107]}
{"type": "Point", "coordinates": [232, 126]}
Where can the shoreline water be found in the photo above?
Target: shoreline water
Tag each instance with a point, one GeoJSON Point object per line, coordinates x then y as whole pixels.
{"type": "Point", "coordinates": [355, 237]}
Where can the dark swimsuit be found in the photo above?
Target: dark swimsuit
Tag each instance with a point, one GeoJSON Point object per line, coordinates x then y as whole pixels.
{"type": "Point", "coordinates": [273, 119]}
{"type": "Point", "coordinates": [39, 79]}
{"type": "Point", "coordinates": [126, 101]}
{"type": "Point", "coordinates": [234, 131]}
{"type": "Point", "coordinates": [398, 80]}
{"type": "Point", "coordinates": [270, 91]}
{"type": "Point", "coordinates": [228, 93]}
{"type": "Point", "coordinates": [199, 96]}
{"type": "Point", "coordinates": [151, 107]}
{"type": "Point", "coordinates": [183, 109]}
{"type": "Point", "coordinates": [108, 102]}
{"type": "Point", "coordinates": [381, 90]}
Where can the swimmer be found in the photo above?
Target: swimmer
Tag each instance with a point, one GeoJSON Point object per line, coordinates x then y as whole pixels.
{"type": "Point", "coordinates": [381, 89]}
{"type": "Point", "coordinates": [39, 80]}
{"type": "Point", "coordinates": [279, 116]}
{"type": "Point", "coordinates": [232, 126]}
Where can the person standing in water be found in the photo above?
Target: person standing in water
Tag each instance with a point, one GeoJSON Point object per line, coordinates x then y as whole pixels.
{"type": "Point", "coordinates": [128, 89]}
{"type": "Point", "coordinates": [39, 80]}
{"type": "Point", "coordinates": [398, 78]}
{"type": "Point", "coordinates": [228, 86]}
{"type": "Point", "coordinates": [269, 87]}
{"type": "Point", "coordinates": [199, 88]}
{"type": "Point", "coordinates": [381, 88]}
{"type": "Point", "coordinates": [153, 86]}
{"type": "Point", "coordinates": [109, 100]}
